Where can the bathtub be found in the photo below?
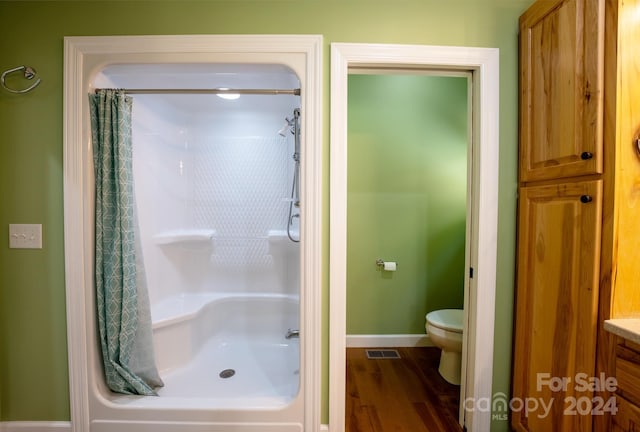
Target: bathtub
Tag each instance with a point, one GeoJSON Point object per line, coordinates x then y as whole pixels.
{"type": "Point", "coordinates": [198, 338]}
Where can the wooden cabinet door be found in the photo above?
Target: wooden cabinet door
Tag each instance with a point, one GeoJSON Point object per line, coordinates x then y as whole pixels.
{"type": "Point", "coordinates": [561, 79]}
{"type": "Point", "coordinates": [556, 302]}
{"type": "Point", "coordinates": [627, 419]}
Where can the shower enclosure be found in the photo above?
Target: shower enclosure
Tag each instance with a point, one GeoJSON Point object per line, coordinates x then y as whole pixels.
{"type": "Point", "coordinates": [229, 205]}
{"type": "Point", "coordinates": [218, 204]}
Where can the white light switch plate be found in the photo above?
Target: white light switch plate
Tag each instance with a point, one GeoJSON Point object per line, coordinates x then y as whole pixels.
{"type": "Point", "coordinates": [25, 236]}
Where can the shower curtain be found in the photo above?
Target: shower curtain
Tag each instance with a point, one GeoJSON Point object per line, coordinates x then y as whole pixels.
{"type": "Point", "coordinates": [124, 318]}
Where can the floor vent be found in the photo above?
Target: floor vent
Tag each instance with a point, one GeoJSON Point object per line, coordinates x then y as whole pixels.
{"type": "Point", "coordinates": [382, 354]}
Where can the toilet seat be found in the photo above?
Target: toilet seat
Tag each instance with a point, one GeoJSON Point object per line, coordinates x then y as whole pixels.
{"type": "Point", "coordinates": [446, 319]}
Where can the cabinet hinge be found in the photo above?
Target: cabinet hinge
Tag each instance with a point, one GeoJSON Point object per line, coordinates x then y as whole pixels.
{"type": "Point", "coordinates": [471, 272]}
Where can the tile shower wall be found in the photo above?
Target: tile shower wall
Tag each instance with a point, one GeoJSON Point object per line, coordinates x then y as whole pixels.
{"type": "Point", "coordinates": [228, 174]}
{"type": "Point", "coordinates": [240, 188]}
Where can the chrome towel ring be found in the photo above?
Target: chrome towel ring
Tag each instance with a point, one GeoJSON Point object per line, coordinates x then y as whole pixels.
{"type": "Point", "coordinates": [29, 73]}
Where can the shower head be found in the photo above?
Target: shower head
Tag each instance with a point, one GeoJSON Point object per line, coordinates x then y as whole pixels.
{"type": "Point", "coordinates": [288, 125]}
{"type": "Point", "coordinates": [283, 130]}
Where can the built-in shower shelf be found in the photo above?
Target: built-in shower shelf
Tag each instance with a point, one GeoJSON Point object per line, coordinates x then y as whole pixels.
{"type": "Point", "coordinates": [184, 236]}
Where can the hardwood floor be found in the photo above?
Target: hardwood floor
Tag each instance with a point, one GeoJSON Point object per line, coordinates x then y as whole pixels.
{"type": "Point", "coordinates": [399, 395]}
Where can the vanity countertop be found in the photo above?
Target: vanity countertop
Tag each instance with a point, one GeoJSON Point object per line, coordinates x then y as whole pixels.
{"type": "Point", "coordinates": [628, 328]}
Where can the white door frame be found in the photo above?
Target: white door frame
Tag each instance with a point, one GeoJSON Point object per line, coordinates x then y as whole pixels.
{"type": "Point", "coordinates": [483, 63]}
{"type": "Point", "coordinates": [84, 57]}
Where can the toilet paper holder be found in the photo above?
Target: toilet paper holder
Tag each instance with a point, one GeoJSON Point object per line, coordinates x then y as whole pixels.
{"type": "Point", "coordinates": [386, 265]}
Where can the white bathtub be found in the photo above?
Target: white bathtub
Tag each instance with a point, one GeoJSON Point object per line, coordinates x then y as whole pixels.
{"type": "Point", "coordinates": [196, 337]}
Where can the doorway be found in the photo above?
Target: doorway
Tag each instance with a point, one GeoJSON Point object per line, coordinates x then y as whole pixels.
{"type": "Point", "coordinates": [407, 206]}
{"type": "Point", "coordinates": [479, 295]}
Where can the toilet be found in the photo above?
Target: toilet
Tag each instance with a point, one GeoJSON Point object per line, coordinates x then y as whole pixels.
{"type": "Point", "coordinates": [444, 328]}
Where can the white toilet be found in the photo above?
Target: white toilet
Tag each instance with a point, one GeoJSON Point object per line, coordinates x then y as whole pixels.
{"type": "Point", "coordinates": [444, 328]}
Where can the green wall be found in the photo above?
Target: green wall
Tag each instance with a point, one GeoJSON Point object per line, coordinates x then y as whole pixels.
{"type": "Point", "coordinates": [406, 199]}
{"type": "Point", "coordinates": [33, 361]}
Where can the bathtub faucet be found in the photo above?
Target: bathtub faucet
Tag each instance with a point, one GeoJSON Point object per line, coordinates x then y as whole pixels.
{"type": "Point", "coordinates": [292, 333]}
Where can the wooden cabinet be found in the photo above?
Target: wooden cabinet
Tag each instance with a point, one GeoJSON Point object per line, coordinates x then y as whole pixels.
{"type": "Point", "coordinates": [561, 76]}
{"type": "Point", "coordinates": [627, 372]}
{"type": "Point", "coordinates": [627, 418]}
{"type": "Point", "coordinates": [579, 201]}
{"type": "Point", "coordinates": [556, 313]}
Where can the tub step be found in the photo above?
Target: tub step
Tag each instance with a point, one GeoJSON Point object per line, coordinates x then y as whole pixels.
{"type": "Point", "coordinates": [382, 354]}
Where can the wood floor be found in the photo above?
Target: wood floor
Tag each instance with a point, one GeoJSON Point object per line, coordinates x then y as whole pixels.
{"type": "Point", "coordinates": [399, 395]}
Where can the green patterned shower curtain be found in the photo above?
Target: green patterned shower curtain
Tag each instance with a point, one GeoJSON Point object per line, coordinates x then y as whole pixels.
{"type": "Point", "coordinates": [122, 301]}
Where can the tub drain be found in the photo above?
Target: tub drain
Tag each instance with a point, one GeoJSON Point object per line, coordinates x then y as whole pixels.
{"type": "Point", "coordinates": [227, 373]}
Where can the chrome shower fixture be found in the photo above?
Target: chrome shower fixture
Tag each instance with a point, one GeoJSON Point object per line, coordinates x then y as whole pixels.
{"type": "Point", "coordinates": [294, 126]}
{"type": "Point", "coordinates": [288, 126]}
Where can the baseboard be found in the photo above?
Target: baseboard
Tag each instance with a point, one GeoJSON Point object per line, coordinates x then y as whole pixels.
{"type": "Point", "coordinates": [324, 428]}
{"type": "Point", "coordinates": [39, 426]}
{"type": "Point", "coordinates": [388, 341]}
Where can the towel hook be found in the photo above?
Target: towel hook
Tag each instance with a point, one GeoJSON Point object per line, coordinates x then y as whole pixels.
{"type": "Point", "coordinates": [29, 73]}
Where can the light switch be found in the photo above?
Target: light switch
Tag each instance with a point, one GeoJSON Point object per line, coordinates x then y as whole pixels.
{"type": "Point", "coordinates": [25, 236]}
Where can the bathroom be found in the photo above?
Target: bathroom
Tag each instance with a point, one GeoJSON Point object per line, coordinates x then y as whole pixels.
{"type": "Point", "coordinates": [33, 319]}
{"type": "Point", "coordinates": [407, 204]}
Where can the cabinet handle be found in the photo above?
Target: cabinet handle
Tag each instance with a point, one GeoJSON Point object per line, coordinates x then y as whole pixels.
{"type": "Point", "coordinates": [586, 199]}
{"type": "Point", "coordinates": [586, 155]}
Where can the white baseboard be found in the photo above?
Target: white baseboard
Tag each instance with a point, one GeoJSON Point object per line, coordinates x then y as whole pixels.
{"type": "Point", "coordinates": [39, 426]}
{"type": "Point", "coordinates": [324, 428]}
{"type": "Point", "coordinates": [388, 341]}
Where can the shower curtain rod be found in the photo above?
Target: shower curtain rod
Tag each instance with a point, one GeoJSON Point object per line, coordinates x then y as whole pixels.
{"type": "Point", "coordinates": [295, 92]}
